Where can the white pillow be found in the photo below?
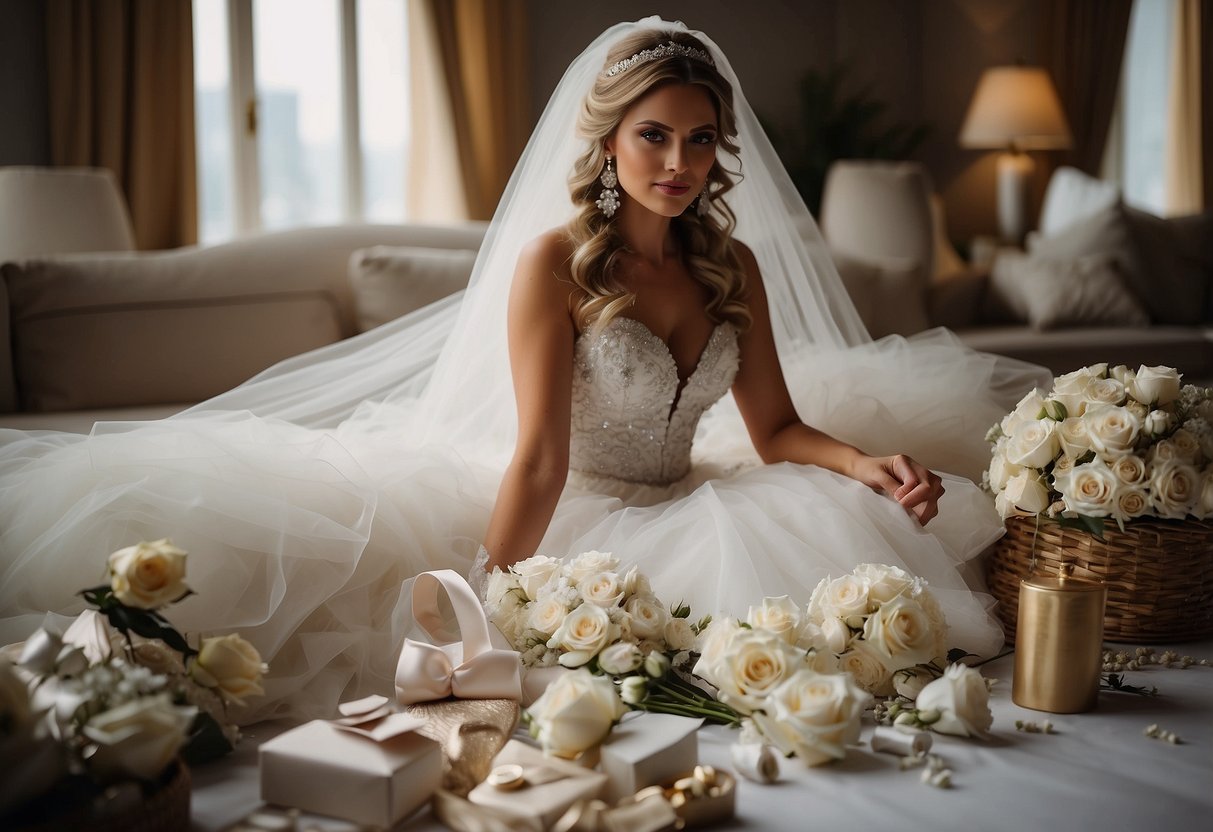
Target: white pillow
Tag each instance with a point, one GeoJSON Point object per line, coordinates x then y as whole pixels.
{"type": "Point", "coordinates": [1085, 291]}
{"type": "Point", "coordinates": [392, 281]}
{"type": "Point", "coordinates": [1073, 196]}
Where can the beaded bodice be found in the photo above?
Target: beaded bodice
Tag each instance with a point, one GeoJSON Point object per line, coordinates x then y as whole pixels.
{"type": "Point", "coordinates": [630, 421]}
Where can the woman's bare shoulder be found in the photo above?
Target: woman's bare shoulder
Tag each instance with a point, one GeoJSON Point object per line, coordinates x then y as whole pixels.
{"type": "Point", "coordinates": [551, 250]}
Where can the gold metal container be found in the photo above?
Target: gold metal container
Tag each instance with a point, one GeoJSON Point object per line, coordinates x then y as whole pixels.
{"type": "Point", "coordinates": [1058, 643]}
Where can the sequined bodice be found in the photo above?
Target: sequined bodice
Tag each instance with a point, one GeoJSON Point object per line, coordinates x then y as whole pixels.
{"type": "Point", "coordinates": [629, 421]}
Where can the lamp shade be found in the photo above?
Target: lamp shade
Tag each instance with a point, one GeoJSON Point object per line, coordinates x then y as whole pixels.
{"type": "Point", "coordinates": [1015, 106]}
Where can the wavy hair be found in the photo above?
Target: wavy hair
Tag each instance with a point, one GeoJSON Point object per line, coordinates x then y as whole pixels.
{"type": "Point", "coordinates": [706, 241]}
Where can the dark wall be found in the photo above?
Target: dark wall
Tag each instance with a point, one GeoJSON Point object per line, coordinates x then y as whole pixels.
{"type": "Point", "coordinates": [23, 138]}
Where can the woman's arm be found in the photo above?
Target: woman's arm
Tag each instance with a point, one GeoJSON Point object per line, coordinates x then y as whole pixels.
{"type": "Point", "coordinates": [779, 435]}
{"type": "Point", "coordinates": [541, 337]}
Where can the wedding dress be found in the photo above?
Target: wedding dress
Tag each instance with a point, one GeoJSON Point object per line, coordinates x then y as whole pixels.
{"type": "Point", "coordinates": [310, 495]}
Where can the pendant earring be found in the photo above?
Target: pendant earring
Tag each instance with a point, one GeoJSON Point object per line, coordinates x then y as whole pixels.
{"type": "Point", "coordinates": [608, 200]}
{"type": "Point", "coordinates": [703, 206]}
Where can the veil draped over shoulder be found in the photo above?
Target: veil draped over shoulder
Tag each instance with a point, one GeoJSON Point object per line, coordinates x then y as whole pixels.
{"type": "Point", "coordinates": [307, 495]}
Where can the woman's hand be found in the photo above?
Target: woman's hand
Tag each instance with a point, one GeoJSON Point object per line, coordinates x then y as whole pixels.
{"type": "Point", "coordinates": [911, 484]}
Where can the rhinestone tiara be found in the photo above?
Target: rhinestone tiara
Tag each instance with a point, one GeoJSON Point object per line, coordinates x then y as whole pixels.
{"type": "Point", "coordinates": [665, 50]}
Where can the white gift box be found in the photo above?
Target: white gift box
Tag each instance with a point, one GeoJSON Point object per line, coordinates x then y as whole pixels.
{"type": "Point", "coordinates": [645, 749]}
{"type": "Point", "coordinates": [552, 785]}
{"type": "Point", "coordinates": [374, 778]}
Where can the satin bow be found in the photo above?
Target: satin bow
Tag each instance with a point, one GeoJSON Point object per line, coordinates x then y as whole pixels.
{"type": "Point", "coordinates": [470, 669]}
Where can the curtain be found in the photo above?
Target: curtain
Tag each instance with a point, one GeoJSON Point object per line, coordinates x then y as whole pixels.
{"type": "Point", "coordinates": [1084, 47]}
{"type": "Point", "coordinates": [1206, 99]}
{"type": "Point", "coordinates": [482, 44]}
{"type": "Point", "coordinates": [1183, 155]}
{"type": "Point", "coordinates": [121, 96]}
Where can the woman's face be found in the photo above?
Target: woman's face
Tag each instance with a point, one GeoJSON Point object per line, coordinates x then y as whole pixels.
{"type": "Point", "coordinates": [665, 146]}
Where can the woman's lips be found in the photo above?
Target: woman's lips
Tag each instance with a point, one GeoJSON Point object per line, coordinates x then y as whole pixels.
{"type": "Point", "coordinates": [672, 188]}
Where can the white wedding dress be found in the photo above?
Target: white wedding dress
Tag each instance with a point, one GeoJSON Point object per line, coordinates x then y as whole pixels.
{"type": "Point", "coordinates": [309, 496]}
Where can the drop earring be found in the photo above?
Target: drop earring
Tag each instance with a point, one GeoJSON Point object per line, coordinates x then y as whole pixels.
{"type": "Point", "coordinates": [608, 200]}
{"type": "Point", "coordinates": [703, 205]}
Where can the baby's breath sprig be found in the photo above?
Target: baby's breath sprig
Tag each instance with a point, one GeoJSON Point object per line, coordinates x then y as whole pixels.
{"type": "Point", "coordinates": [1045, 727]}
{"type": "Point", "coordinates": [1156, 733]}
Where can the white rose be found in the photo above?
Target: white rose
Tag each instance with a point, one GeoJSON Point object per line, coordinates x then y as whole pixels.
{"type": "Point", "coordinates": [845, 598]}
{"type": "Point", "coordinates": [1155, 386]}
{"type": "Point", "coordinates": [1204, 507]}
{"type": "Point", "coordinates": [620, 658]}
{"type": "Point", "coordinates": [1163, 451]}
{"type": "Point", "coordinates": [1131, 502]}
{"type": "Point", "coordinates": [1034, 444]}
{"type": "Point", "coordinates": [635, 582]}
{"type": "Point", "coordinates": [1005, 507]}
{"type": "Point", "coordinates": [1071, 390]}
{"type": "Point", "coordinates": [1072, 437]}
{"type": "Point", "coordinates": [576, 712]}
{"type": "Point", "coordinates": [602, 590]}
{"type": "Point", "coordinates": [138, 739]}
{"type": "Point", "coordinates": [547, 614]}
{"type": "Point", "coordinates": [1027, 410]}
{"type": "Point", "coordinates": [678, 634]}
{"type": "Point", "coordinates": [1104, 391]}
{"type": "Point", "coordinates": [837, 634]}
{"type": "Point", "coordinates": [230, 664]}
{"type": "Point", "coordinates": [534, 572]}
{"type": "Point", "coordinates": [900, 633]}
{"type": "Point", "coordinates": [501, 591]}
{"type": "Point", "coordinates": [582, 634]}
{"type": "Point", "coordinates": [749, 670]}
{"type": "Point", "coordinates": [148, 575]}
{"type": "Point", "coordinates": [1157, 422]}
{"type": "Point", "coordinates": [867, 670]}
{"type": "Point", "coordinates": [777, 615]}
{"type": "Point", "coordinates": [1175, 487]}
{"type": "Point", "coordinates": [1122, 374]}
{"type": "Point", "coordinates": [1112, 429]}
{"type": "Point", "coordinates": [963, 701]}
{"type": "Point", "coordinates": [814, 716]}
{"type": "Point", "coordinates": [1129, 469]}
{"type": "Point", "coordinates": [591, 563]}
{"type": "Point", "coordinates": [716, 640]}
{"type": "Point", "coordinates": [1138, 409]}
{"type": "Point", "coordinates": [1187, 446]}
{"type": "Point", "coordinates": [1000, 469]}
{"type": "Point", "coordinates": [1089, 488]}
{"type": "Point", "coordinates": [648, 616]}
{"type": "Point", "coordinates": [884, 582]}
{"type": "Point", "coordinates": [1027, 493]}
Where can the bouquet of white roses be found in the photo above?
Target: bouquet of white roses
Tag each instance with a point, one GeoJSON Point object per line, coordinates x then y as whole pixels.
{"type": "Point", "coordinates": [1105, 443]}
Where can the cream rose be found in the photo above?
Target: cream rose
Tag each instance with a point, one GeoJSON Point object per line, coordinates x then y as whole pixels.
{"type": "Point", "coordinates": [547, 614]}
{"type": "Point", "coordinates": [778, 615]}
{"type": "Point", "coordinates": [837, 634]}
{"type": "Point", "coordinates": [582, 634]}
{"type": "Point", "coordinates": [1027, 410]}
{"type": "Point", "coordinates": [1163, 451]}
{"type": "Point", "coordinates": [1157, 422]}
{"type": "Point", "coordinates": [1000, 469]}
{"type": "Point", "coordinates": [1072, 437]}
{"type": "Point", "coordinates": [576, 712]}
{"type": "Point", "coordinates": [1129, 469]}
{"type": "Point", "coordinates": [900, 634]}
{"type": "Point", "coordinates": [962, 700]}
{"type": "Point", "coordinates": [1112, 429]}
{"type": "Point", "coordinates": [715, 641]}
{"type": "Point", "coordinates": [1131, 502]}
{"type": "Point", "coordinates": [230, 664]}
{"type": "Point", "coordinates": [867, 670]}
{"type": "Point", "coordinates": [814, 716]}
{"type": "Point", "coordinates": [1027, 493]}
{"type": "Point", "coordinates": [602, 589]}
{"type": "Point", "coordinates": [1089, 488]}
{"type": "Point", "coordinates": [148, 575]}
{"type": "Point", "coordinates": [620, 658]}
{"type": "Point", "coordinates": [1122, 374]}
{"type": "Point", "coordinates": [845, 598]}
{"type": "Point", "coordinates": [1071, 390]}
{"type": "Point", "coordinates": [647, 616]}
{"type": "Point", "coordinates": [1104, 391]}
{"type": "Point", "coordinates": [591, 563]}
{"type": "Point", "coordinates": [1204, 506]}
{"type": "Point", "coordinates": [1175, 488]}
{"type": "Point", "coordinates": [1187, 446]}
{"type": "Point", "coordinates": [744, 675]}
{"type": "Point", "coordinates": [534, 572]}
{"type": "Point", "coordinates": [678, 634]}
{"type": "Point", "coordinates": [137, 739]}
{"type": "Point", "coordinates": [1155, 386]}
{"type": "Point", "coordinates": [1034, 444]}
{"type": "Point", "coordinates": [885, 582]}
{"type": "Point", "coordinates": [635, 582]}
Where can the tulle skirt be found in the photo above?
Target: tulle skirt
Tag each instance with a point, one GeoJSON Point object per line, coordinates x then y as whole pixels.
{"type": "Point", "coordinates": [302, 539]}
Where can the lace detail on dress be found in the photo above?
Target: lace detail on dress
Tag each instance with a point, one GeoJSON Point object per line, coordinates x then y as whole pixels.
{"type": "Point", "coordinates": [629, 421]}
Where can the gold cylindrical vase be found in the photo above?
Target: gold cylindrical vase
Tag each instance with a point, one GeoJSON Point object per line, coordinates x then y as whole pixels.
{"type": "Point", "coordinates": [1058, 643]}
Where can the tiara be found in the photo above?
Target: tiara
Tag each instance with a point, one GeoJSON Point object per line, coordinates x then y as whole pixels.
{"type": "Point", "coordinates": [665, 50]}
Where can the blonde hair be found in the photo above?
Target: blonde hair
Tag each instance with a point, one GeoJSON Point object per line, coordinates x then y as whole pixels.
{"type": "Point", "coordinates": [706, 241]}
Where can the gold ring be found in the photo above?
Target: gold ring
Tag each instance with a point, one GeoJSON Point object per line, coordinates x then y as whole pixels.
{"type": "Point", "coordinates": [506, 777]}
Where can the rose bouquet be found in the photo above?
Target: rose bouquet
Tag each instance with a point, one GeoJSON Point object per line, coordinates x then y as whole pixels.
{"type": "Point", "coordinates": [120, 694]}
{"type": "Point", "coordinates": [1106, 443]}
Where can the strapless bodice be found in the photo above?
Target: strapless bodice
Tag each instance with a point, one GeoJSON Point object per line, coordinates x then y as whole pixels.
{"type": "Point", "coordinates": [630, 421]}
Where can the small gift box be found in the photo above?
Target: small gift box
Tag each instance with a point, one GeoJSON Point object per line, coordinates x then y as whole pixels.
{"type": "Point", "coordinates": [545, 787]}
{"type": "Point", "coordinates": [647, 748]}
{"type": "Point", "coordinates": [374, 769]}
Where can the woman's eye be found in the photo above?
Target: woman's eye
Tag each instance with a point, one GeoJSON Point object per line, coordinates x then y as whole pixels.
{"type": "Point", "coordinates": [651, 136]}
{"type": "Point", "coordinates": [704, 138]}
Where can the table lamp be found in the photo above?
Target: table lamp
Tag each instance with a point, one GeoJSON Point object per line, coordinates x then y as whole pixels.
{"type": "Point", "coordinates": [1015, 108]}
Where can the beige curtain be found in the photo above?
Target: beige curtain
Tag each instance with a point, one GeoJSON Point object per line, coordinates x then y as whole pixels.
{"type": "Point", "coordinates": [1183, 154]}
{"type": "Point", "coordinates": [1206, 96]}
{"type": "Point", "coordinates": [472, 99]}
{"type": "Point", "coordinates": [121, 96]}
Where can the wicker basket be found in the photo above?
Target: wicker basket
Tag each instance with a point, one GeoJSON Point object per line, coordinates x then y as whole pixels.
{"type": "Point", "coordinates": [1159, 574]}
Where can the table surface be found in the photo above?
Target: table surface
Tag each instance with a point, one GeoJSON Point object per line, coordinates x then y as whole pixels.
{"type": "Point", "coordinates": [1098, 772]}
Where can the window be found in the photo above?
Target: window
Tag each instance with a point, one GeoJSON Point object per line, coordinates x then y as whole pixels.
{"type": "Point", "coordinates": [302, 113]}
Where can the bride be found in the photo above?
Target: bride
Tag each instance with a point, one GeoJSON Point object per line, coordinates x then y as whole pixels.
{"type": "Point", "coordinates": [551, 408]}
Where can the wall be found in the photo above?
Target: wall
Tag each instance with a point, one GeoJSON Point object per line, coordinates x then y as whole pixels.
{"type": "Point", "coordinates": [23, 140]}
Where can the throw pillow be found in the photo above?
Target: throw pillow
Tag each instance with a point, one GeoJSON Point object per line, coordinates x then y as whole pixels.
{"type": "Point", "coordinates": [1178, 255]}
{"type": "Point", "coordinates": [391, 281]}
{"type": "Point", "coordinates": [1085, 291]}
{"type": "Point", "coordinates": [1073, 196]}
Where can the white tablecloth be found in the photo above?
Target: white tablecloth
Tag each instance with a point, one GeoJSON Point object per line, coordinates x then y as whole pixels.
{"type": "Point", "coordinates": [1099, 772]}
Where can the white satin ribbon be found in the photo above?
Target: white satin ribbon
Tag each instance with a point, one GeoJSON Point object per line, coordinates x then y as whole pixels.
{"type": "Point", "coordinates": [755, 762]}
{"type": "Point", "coordinates": [893, 741]}
{"type": "Point", "coordinates": [468, 669]}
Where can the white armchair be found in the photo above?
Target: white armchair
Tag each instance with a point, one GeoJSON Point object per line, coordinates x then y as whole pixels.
{"type": "Point", "coordinates": [45, 211]}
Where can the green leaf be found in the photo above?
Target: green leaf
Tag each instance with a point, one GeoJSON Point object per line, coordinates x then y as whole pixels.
{"type": "Point", "coordinates": [957, 653]}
